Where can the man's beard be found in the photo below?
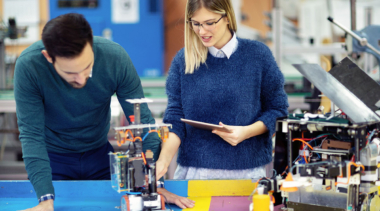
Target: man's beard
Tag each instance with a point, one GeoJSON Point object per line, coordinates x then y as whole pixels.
{"type": "Point", "coordinates": [75, 85]}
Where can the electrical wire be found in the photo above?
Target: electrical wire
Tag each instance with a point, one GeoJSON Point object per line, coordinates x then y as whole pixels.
{"type": "Point", "coordinates": [146, 135]}
{"type": "Point", "coordinates": [298, 139]}
{"type": "Point", "coordinates": [349, 172]}
{"type": "Point", "coordinates": [275, 173]}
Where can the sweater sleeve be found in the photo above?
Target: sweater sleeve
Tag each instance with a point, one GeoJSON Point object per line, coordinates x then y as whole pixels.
{"type": "Point", "coordinates": [129, 87]}
{"type": "Point", "coordinates": [274, 100]}
{"type": "Point", "coordinates": [31, 124]}
{"type": "Point", "coordinates": [174, 112]}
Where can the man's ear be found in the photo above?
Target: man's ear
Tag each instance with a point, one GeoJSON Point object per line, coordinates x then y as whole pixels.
{"type": "Point", "coordinates": [46, 55]}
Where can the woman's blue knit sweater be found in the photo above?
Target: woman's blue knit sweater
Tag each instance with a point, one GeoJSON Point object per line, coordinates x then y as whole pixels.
{"type": "Point", "coordinates": [241, 90]}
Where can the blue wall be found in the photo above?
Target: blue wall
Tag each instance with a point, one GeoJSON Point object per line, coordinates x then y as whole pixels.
{"type": "Point", "coordinates": [144, 40]}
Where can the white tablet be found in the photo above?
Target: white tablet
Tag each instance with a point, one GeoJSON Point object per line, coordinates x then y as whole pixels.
{"type": "Point", "coordinates": [205, 126]}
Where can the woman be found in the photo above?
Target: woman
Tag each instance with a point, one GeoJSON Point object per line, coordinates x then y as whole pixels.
{"type": "Point", "coordinates": [221, 79]}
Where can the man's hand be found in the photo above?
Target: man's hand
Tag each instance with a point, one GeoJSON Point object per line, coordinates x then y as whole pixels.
{"type": "Point", "coordinates": [47, 205]}
{"type": "Point", "coordinates": [161, 168]}
{"type": "Point", "coordinates": [180, 201]}
{"type": "Point", "coordinates": [237, 134]}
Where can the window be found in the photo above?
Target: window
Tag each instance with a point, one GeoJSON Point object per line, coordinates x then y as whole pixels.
{"type": "Point", "coordinates": [78, 3]}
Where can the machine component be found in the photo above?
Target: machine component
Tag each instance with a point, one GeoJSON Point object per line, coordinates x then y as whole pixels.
{"type": "Point", "coordinates": [261, 201]}
{"type": "Point", "coordinates": [13, 32]}
{"type": "Point", "coordinates": [134, 172]}
{"type": "Point", "coordinates": [358, 82]}
{"type": "Point", "coordinates": [365, 41]}
{"type": "Point", "coordinates": [338, 93]}
{"type": "Point", "coordinates": [331, 161]}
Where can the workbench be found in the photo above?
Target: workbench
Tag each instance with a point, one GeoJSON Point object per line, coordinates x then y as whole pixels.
{"type": "Point", "coordinates": [216, 195]}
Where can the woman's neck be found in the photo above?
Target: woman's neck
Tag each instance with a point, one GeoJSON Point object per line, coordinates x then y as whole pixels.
{"type": "Point", "coordinates": [226, 38]}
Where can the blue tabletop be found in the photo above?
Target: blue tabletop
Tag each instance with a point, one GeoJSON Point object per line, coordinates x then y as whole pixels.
{"type": "Point", "coordinates": [73, 195]}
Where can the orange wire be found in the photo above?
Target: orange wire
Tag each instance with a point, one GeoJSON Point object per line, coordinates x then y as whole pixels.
{"type": "Point", "coordinates": [119, 144]}
{"type": "Point", "coordinates": [298, 139]}
{"type": "Point", "coordinates": [349, 172]}
{"type": "Point", "coordinates": [137, 138]}
{"type": "Point", "coordinates": [284, 171]}
{"type": "Point", "coordinates": [272, 197]}
{"type": "Point", "coordinates": [126, 135]}
{"type": "Point", "coordinates": [152, 131]}
{"type": "Point", "coordinates": [143, 156]}
{"type": "Point", "coordinates": [128, 131]}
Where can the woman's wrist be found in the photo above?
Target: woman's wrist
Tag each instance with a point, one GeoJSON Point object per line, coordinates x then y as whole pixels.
{"type": "Point", "coordinates": [164, 160]}
{"type": "Point", "coordinates": [246, 132]}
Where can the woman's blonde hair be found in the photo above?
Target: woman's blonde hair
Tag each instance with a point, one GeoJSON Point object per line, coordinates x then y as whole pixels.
{"type": "Point", "coordinates": [195, 51]}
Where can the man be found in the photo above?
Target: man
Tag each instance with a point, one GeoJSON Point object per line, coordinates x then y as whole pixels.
{"type": "Point", "coordinates": [63, 89]}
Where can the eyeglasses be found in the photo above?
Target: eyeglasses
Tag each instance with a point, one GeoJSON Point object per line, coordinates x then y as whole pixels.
{"type": "Point", "coordinates": [208, 26]}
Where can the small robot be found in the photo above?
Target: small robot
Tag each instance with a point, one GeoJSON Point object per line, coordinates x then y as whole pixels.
{"type": "Point", "coordinates": [133, 171]}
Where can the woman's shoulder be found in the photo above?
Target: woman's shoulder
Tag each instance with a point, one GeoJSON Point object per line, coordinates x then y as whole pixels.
{"type": "Point", "coordinates": [180, 54]}
{"type": "Point", "coordinates": [254, 46]}
{"type": "Point", "coordinates": [180, 57]}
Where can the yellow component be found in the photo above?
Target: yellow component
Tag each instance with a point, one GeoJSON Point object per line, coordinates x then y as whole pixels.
{"type": "Point", "coordinates": [378, 165]}
{"type": "Point", "coordinates": [201, 203]}
{"type": "Point", "coordinates": [164, 133]}
{"type": "Point", "coordinates": [289, 178]}
{"type": "Point", "coordinates": [149, 153]}
{"type": "Point", "coordinates": [120, 136]}
{"type": "Point", "coordinates": [261, 202]}
{"type": "Point", "coordinates": [220, 187]}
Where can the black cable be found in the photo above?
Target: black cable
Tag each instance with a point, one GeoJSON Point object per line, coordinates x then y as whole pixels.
{"type": "Point", "coordinates": [275, 174]}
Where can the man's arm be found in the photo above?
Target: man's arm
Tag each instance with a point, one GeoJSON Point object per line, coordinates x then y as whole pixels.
{"type": "Point", "coordinates": [31, 124]}
{"type": "Point", "coordinates": [129, 87]}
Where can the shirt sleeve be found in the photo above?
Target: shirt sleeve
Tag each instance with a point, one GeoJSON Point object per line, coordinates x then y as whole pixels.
{"type": "Point", "coordinates": [31, 124]}
{"type": "Point", "coordinates": [174, 111]}
{"type": "Point", "coordinates": [129, 87]}
{"type": "Point", "coordinates": [273, 98]}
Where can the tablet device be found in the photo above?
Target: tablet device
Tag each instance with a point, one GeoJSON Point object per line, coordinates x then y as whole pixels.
{"type": "Point", "coordinates": [205, 126]}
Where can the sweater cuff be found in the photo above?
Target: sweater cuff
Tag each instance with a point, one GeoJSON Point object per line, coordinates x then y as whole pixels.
{"type": "Point", "coordinates": [178, 133]}
{"type": "Point", "coordinates": [269, 124]}
{"type": "Point", "coordinates": [43, 188]}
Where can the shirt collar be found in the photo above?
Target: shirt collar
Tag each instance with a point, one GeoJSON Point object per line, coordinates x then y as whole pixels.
{"type": "Point", "coordinates": [227, 49]}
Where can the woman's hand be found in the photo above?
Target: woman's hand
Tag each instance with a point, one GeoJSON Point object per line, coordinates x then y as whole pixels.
{"type": "Point", "coordinates": [237, 134]}
{"type": "Point", "coordinates": [172, 198]}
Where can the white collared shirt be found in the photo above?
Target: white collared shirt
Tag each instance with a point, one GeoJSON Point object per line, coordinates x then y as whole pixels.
{"type": "Point", "coordinates": [227, 50]}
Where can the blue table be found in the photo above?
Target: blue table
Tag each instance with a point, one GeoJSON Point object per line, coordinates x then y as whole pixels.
{"type": "Point", "coordinates": [215, 195]}
{"type": "Point", "coordinates": [73, 195]}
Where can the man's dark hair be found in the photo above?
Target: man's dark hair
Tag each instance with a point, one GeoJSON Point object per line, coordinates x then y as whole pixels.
{"type": "Point", "coordinates": [66, 35]}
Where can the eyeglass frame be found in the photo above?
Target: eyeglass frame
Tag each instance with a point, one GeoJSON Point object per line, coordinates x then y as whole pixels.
{"type": "Point", "coordinates": [201, 24]}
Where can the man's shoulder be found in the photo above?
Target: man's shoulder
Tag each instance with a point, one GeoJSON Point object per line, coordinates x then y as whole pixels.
{"type": "Point", "coordinates": [32, 50]}
{"type": "Point", "coordinates": [105, 44]}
